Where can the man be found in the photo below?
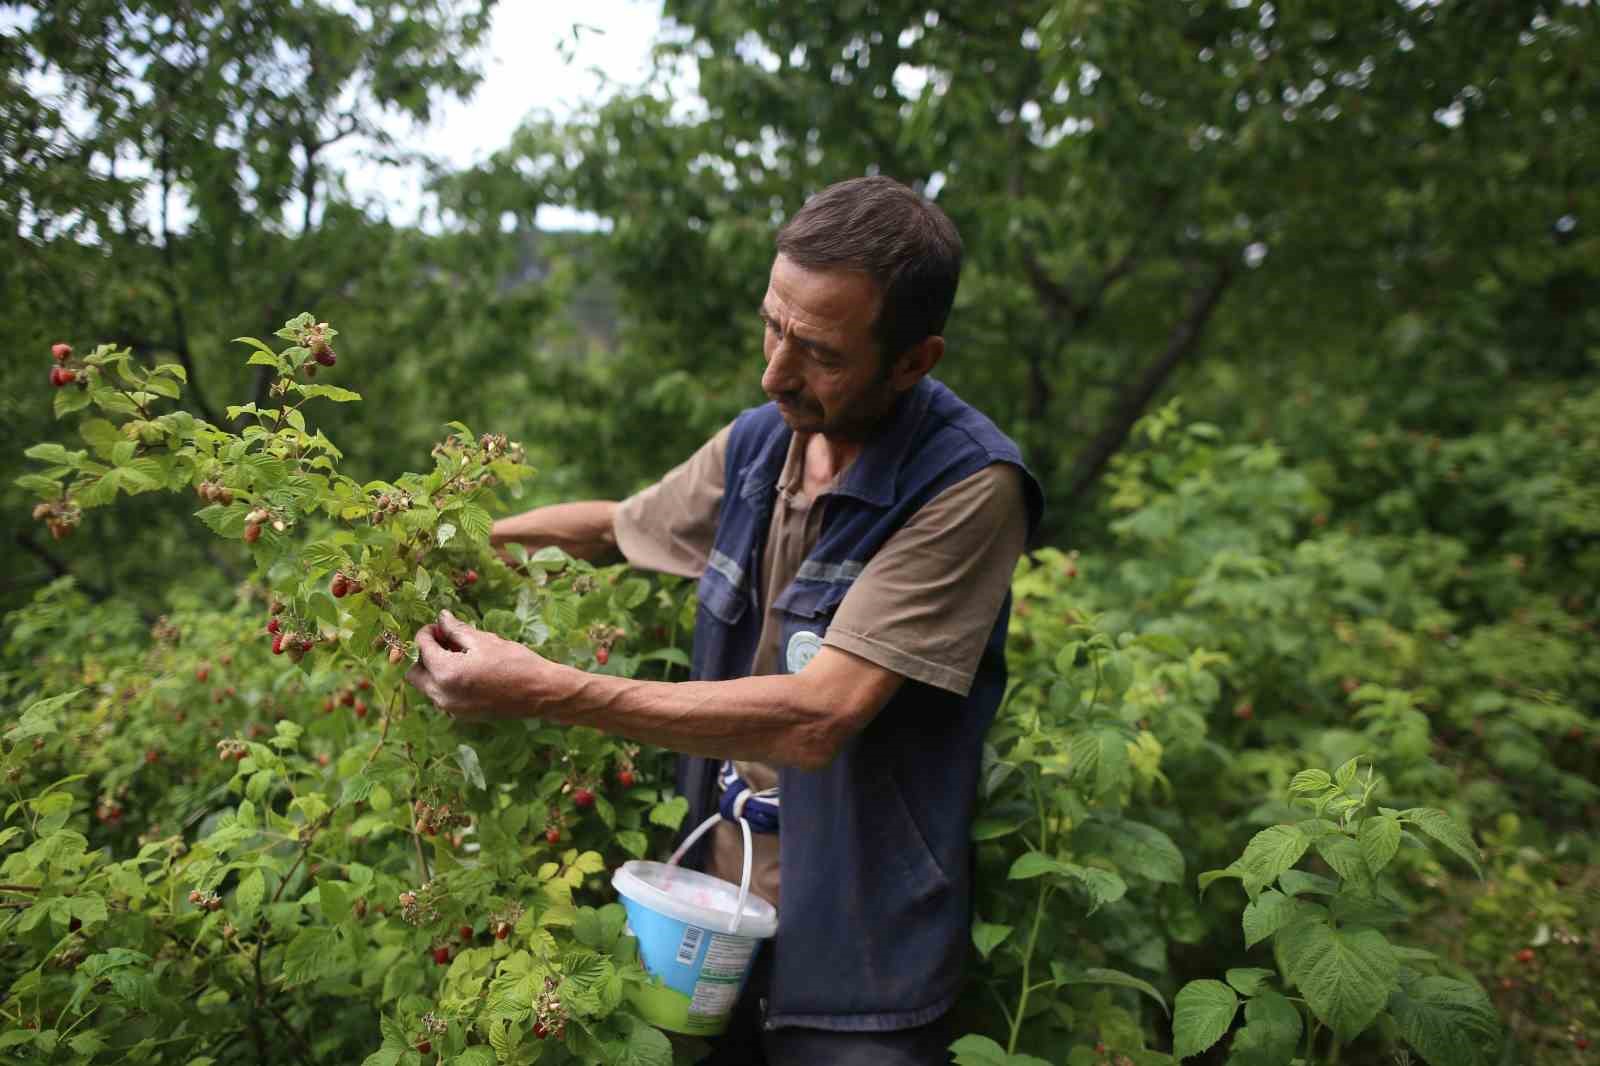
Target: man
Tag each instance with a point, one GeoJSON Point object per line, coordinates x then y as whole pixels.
{"type": "Point", "coordinates": [854, 541]}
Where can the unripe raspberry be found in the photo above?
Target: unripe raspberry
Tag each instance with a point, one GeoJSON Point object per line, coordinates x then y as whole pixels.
{"type": "Point", "coordinates": [397, 654]}
{"type": "Point", "coordinates": [61, 352]}
{"type": "Point", "coordinates": [252, 532]}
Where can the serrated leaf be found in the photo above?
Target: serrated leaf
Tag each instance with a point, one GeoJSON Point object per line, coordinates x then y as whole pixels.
{"type": "Point", "coordinates": [1308, 782]}
{"type": "Point", "coordinates": [1448, 1022]}
{"type": "Point", "coordinates": [1269, 853]}
{"type": "Point", "coordinates": [1203, 1011]}
{"type": "Point", "coordinates": [475, 522]}
{"type": "Point", "coordinates": [1379, 839]}
{"type": "Point", "coordinates": [1345, 856]}
{"type": "Point", "coordinates": [1265, 915]}
{"type": "Point", "coordinates": [986, 936]}
{"type": "Point", "coordinates": [248, 896]}
{"type": "Point", "coordinates": [1099, 975]}
{"type": "Point", "coordinates": [1248, 980]}
{"type": "Point", "coordinates": [1345, 975]}
{"type": "Point", "coordinates": [315, 953]}
{"type": "Point", "coordinates": [670, 813]}
{"type": "Point", "coordinates": [1133, 847]}
{"type": "Point", "coordinates": [633, 842]}
{"type": "Point", "coordinates": [1271, 1031]}
{"type": "Point", "coordinates": [329, 392]}
{"type": "Point", "coordinates": [1447, 831]}
{"type": "Point", "coordinates": [975, 1050]}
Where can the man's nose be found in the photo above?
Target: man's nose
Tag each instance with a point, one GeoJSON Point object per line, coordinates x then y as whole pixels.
{"type": "Point", "coordinates": [782, 372]}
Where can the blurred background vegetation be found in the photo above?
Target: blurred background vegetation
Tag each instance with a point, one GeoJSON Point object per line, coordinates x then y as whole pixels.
{"type": "Point", "coordinates": [1356, 239]}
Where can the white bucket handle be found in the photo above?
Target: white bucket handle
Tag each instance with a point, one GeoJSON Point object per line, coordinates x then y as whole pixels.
{"type": "Point", "coordinates": [744, 878]}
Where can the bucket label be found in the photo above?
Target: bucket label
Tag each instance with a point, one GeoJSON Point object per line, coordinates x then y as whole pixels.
{"type": "Point", "coordinates": [721, 974]}
{"type": "Point", "coordinates": [689, 946]}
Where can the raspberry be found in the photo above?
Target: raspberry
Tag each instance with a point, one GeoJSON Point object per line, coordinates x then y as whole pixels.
{"type": "Point", "coordinates": [278, 644]}
{"type": "Point", "coordinates": [274, 626]}
{"type": "Point", "coordinates": [252, 532]}
{"type": "Point", "coordinates": [602, 655]}
{"type": "Point", "coordinates": [625, 778]}
{"type": "Point", "coordinates": [583, 798]}
{"type": "Point", "coordinates": [441, 955]}
{"type": "Point", "coordinates": [552, 835]}
{"type": "Point", "coordinates": [61, 352]}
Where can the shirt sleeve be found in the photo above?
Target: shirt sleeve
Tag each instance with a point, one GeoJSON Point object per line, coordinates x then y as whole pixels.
{"type": "Point", "coordinates": [925, 604]}
{"type": "Point", "coordinates": [670, 526]}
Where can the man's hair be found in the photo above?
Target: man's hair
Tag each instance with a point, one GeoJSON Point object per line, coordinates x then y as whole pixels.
{"type": "Point", "coordinates": [900, 240]}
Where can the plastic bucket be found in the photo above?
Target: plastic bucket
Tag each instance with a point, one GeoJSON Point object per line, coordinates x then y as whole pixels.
{"type": "Point", "coordinates": [697, 936]}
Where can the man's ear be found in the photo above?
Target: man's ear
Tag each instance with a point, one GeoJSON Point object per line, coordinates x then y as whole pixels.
{"type": "Point", "coordinates": [916, 362]}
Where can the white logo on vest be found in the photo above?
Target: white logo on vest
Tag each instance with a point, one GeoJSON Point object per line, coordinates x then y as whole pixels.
{"type": "Point", "coordinates": [803, 647]}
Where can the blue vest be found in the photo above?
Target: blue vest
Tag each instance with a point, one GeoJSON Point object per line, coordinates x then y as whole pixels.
{"type": "Point", "coordinates": [874, 848]}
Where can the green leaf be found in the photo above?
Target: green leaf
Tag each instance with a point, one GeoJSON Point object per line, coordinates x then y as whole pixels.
{"type": "Point", "coordinates": [975, 1050]}
{"type": "Point", "coordinates": [994, 828]}
{"type": "Point", "coordinates": [670, 813]}
{"type": "Point", "coordinates": [336, 900]}
{"type": "Point", "coordinates": [1271, 1031]}
{"type": "Point", "coordinates": [467, 759]}
{"type": "Point", "coordinates": [329, 392]}
{"type": "Point", "coordinates": [1447, 831]}
{"type": "Point", "coordinates": [1345, 975]}
{"type": "Point", "coordinates": [1032, 864]}
{"type": "Point", "coordinates": [1347, 860]}
{"type": "Point", "coordinates": [987, 936]}
{"type": "Point", "coordinates": [646, 1045]}
{"type": "Point", "coordinates": [1379, 838]}
{"type": "Point", "coordinates": [248, 896]}
{"type": "Point", "coordinates": [1448, 1022]}
{"type": "Point", "coordinates": [315, 953]}
{"type": "Point", "coordinates": [1310, 782]}
{"type": "Point", "coordinates": [1099, 975]}
{"type": "Point", "coordinates": [1248, 980]}
{"type": "Point", "coordinates": [475, 522]}
{"type": "Point", "coordinates": [1265, 915]}
{"type": "Point", "coordinates": [1204, 1011]}
{"type": "Point", "coordinates": [1133, 847]}
{"type": "Point", "coordinates": [633, 842]}
{"type": "Point", "coordinates": [1269, 853]}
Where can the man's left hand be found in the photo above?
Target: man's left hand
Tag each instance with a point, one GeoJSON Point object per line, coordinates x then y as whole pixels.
{"type": "Point", "coordinates": [477, 676]}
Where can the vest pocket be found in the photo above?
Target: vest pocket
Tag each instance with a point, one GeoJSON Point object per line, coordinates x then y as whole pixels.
{"type": "Point", "coordinates": [804, 610]}
{"type": "Point", "coordinates": [906, 847]}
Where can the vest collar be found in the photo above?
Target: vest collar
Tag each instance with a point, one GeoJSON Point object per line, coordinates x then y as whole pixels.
{"type": "Point", "coordinates": [875, 472]}
{"type": "Point", "coordinates": [873, 476]}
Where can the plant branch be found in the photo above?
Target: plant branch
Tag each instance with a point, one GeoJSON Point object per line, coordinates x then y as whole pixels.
{"type": "Point", "coordinates": [1181, 343]}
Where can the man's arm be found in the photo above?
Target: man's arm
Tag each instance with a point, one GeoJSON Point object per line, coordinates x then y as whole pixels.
{"type": "Point", "coordinates": [583, 530]}
{"type": "Point", "coordinates": [799, 720]}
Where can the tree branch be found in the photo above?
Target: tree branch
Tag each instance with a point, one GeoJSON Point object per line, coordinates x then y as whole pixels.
{"type": "Point", "coordinates": [1181, 343]}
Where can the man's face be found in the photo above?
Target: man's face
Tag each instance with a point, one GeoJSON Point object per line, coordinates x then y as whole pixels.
{"type": "Point", "coordinates": [824, 369]}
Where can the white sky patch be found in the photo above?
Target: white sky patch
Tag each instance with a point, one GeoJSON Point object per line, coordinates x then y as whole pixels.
{"type": "Point", "coordinates": [542, 56]}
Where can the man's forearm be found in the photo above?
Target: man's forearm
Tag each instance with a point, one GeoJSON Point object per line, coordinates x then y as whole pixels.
{"type": "Point", "coordinates": [783, 719]}
{"type": "Point", "coordinates": [583, 530]}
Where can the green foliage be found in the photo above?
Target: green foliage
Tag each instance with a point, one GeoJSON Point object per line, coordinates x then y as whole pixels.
{"type": "Point", "coordinates": [216, 848]}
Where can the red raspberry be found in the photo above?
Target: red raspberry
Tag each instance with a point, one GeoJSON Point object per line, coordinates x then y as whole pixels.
{"type": "Point", "coordinates": [583, 798]}
{"type": "Point", "coordinates": [602, 655]}
{"type": "Point", "coordinates": [274, 626]}
{"type": "Point", "coordinates": [278, 644]}
{"type": "Point", "coordinates": [625, 778]}
{"type": "Point", "coordinates": [466, 932]}
{"type": "Point", "coordinates": [61, 352]}
{"type": "Point", "coordinates": [441, 955]}
{"type": "Point", "coordinates": [552, 835]}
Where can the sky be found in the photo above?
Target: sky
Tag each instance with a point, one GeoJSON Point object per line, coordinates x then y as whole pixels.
{"type": "Point", "coordinates": [542, 55]}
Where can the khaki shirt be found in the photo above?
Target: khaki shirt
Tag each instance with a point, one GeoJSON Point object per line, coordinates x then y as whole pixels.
{"type": "Point", "coordinates": [923, 606]}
